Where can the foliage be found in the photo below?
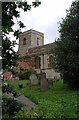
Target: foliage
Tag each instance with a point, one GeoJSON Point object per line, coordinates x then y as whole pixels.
{"type": "Point", "coordinates": [8, 54]}
{"type": "Point", "coordinates": [25, 73]}
{"type": "Point", "coordinates": [66, 51]}
{"type": "Point", "coordinates": [10, 107]}
{"type": "Point", "coordinates": [10, 10]}
{"type": "Point", "coordinates": [7, 88]}
{"type": "Point", "coordinates": [35, 113]}
{"type": "Point", "coordinates": [57, 102]}
{"type": "Point", "coordinates": [14, 72]}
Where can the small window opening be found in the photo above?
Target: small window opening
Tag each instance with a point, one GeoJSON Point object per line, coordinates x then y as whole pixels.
{"type": "Point", "coordinates": [24, 41]}
{"type": "Point", "coordinates": [37, 41]}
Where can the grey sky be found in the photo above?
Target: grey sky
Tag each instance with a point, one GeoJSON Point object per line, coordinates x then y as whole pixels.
{"type": "Point", "coordinates": [45, 18]}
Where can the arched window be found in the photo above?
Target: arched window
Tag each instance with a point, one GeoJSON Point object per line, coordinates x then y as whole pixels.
{"type": "Point", "coordinates": [37, 62]}
{"type": "Point", "coordinates": [50, 61]}
{"type": "Point", "coordinates": [24, 41]}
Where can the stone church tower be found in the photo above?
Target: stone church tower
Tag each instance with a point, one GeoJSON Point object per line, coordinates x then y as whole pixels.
{"type": "Point", "coordinates": [30, 39]}
{"type": "Point", "coordinates": [33, 51]}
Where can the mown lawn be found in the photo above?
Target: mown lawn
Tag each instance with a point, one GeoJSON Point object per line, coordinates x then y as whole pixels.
{"type": "Point", "coordinates": [57, 102]}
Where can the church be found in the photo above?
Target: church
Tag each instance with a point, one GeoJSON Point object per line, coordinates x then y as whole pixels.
{"type": "Point", "coordinates": [37, 55]}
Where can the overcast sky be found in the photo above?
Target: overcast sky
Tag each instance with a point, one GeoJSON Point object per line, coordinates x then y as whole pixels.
{"type": "Point", "coordinates": [45, 18]}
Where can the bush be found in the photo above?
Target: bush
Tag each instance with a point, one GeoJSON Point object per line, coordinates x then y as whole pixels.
{"type": "Point", "coordinates": [20, 85]}
{"type": "Point", "coordinates": [7, 88]}
{"type": "Point", "coordinates": [25, 73]}
{"type": "Point", "coordinates": [10, 107]}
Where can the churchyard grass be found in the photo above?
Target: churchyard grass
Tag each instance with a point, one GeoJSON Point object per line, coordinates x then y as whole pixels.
{"type": "Point", "coordinates": [0, 92]}
{"type": "Point", "coordinates": [0, 88]}
{"type": "Point", "coordinates": [57, 102]}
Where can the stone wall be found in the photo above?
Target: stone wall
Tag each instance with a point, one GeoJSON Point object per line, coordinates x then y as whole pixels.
{"type": "Point", "coordinates": [37, 38]}
{"type": "Point", "coordinates": [23, 49]}
{"type": "Point", "coordinates": [45, 61]}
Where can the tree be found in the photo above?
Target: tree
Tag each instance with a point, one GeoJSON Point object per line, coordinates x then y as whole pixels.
{"type": "Point", "coordinates": [9, 11]}
{"type": "Point", "coordinates": [66, 57]}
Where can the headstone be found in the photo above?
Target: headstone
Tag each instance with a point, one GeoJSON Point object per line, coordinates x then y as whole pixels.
{"type": "Point", "coordinates": [33, 79]}
{"type": "Point", "coordinates": [43, 82]}
{"type": "Point", "coordinates": [17, 78]}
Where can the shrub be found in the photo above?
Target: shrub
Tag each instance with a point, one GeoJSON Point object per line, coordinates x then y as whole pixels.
{"type": "Point", "coordinates": [10, 106]}
{"type": "Point", "coordinates": [20, 85]}
{"type": "Point", "coordinates": [25, 73]}
{"type": "Point", "coordinates": [7, 88]}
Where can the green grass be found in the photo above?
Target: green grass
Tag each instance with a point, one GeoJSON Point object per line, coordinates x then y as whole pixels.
{"type": "Point", "coordinates": [0, 93]}
{"type": "Point", "coordinates": [0, 89]}
{"type": "Point", "coordinates": [58, 101]}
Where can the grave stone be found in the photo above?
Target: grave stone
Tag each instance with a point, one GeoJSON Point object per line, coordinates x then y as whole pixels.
{"type": "Point", "coordinates": [33, 79]}
{"type": "Point", "coordinates": [43, 81]}
{"type": "Point", "coordinates": [16, 78]}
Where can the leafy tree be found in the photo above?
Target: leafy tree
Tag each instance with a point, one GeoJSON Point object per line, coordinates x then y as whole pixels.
{"type": "Point", "coordinates": [9, 12]}
{"type": "Point", "coordinates": [67, 47]}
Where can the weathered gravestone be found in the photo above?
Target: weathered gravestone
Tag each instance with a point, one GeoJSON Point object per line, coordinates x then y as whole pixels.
{"type": "Point", "coordinates": [43, 81]}
{"type": "Point", "coordinates": [33, 79]}
{"type": "Point", "coordinates": [16, 78]}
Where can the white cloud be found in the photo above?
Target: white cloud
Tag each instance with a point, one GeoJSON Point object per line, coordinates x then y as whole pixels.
{"type": "Point", "coordinates": [45, 17]}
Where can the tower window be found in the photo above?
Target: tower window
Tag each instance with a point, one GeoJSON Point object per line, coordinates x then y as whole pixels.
{"type": "Point", "coordinates": [37, 41]}
{"type": "Point", "coordinates": [24, 41]}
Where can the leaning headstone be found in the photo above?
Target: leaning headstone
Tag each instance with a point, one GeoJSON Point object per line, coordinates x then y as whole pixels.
{"type": "Point", "coordinates": [33, 79]}
{"type": "Point", "coordinates": [43, 82]}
